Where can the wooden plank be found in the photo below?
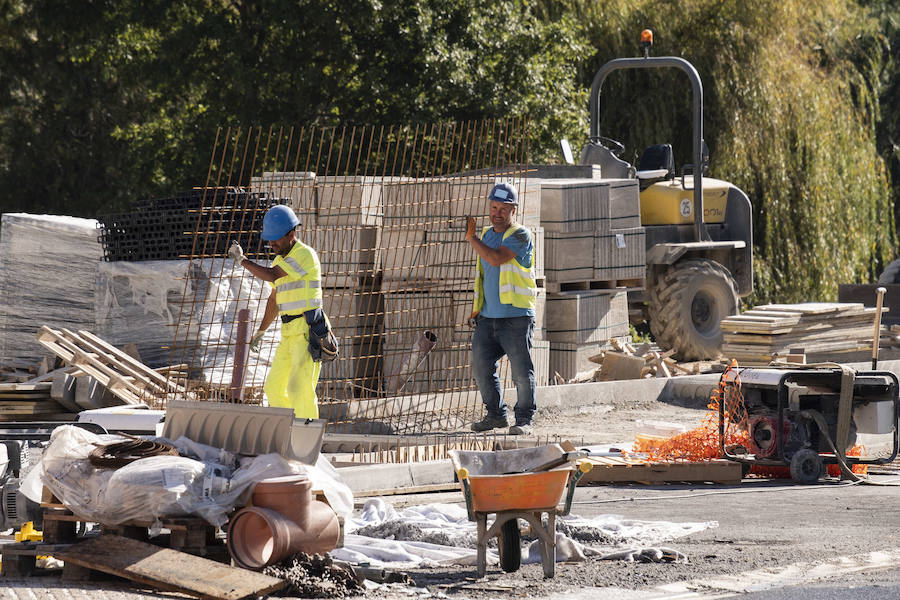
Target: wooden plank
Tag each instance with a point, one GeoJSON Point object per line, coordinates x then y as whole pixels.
{"type": "Point", "coordinates": [719, 470]}
{"type": "Point", "coordinates": [168, 569]}
{"type": "Point", "coordinates": [132, 365]}
{"type": "Point", "coordinates": [25, 387]}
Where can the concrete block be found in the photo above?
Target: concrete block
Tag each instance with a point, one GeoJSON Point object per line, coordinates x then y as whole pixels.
{"type": "Point", "coordinates": [620, 204]}
{"type": "Point", "coordinates": [568, 256]}
{"type": "Point", "coordinates": [414, 202]}
{"type": "Point", "coordinates": [63, 390]}
{"type": "Point", "coordinates": [401, 256]}
{"type": "Point", "coordinates": [469, 195]}
{"type": "Point", "coordinates": [90, 393]}
{"type": "Point", "coordinates": [299, 187]}
{"type": "Point", "coordinates": [346, 254]}
{"type": "Point", "coordinates": [349, 200]}
{"type": "Point", "coordinates": [406, 317]}
{"type": "Point", "coordinates": [583, 317]}
{"type": "Point", "coordinates": [620, 254]}
{"type": "Point", "coordinates": [569, 359]}
{"type": "Point", "coordinates": [572, 205]}
{"type": "Point", "coordinates": [449, 257]}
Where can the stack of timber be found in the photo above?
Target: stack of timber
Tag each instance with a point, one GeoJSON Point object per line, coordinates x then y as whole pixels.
{"type": "Point", "coordinates": [32, 402]}
{"type": "Point", "coordinates": [826, 330]}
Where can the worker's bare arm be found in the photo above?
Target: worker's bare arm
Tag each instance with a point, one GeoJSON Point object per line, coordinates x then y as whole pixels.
{"type": "Point", "coordinates": [493, 256]}
{"type": "Point", "coordinates": [270, 313]}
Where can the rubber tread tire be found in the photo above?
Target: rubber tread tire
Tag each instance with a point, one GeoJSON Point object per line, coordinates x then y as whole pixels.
{"type": "Point", "coordinates": [510, 546]}
{"type": "Point", "coordinates": [806, 466]}
{"type": "Point", "coordinates": [671, 302]}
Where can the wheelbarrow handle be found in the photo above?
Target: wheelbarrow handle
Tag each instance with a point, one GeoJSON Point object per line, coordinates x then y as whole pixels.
{"type": "Point", "coordinates": [583, 467]}
{"type": "Point", "coordinates": [463, 475]}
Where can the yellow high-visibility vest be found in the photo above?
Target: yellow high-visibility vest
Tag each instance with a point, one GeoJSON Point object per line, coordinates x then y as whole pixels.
{"type": "Point", "coordinates": [517, 284]}
{"type": "Point", "coordinates": [300, 289]}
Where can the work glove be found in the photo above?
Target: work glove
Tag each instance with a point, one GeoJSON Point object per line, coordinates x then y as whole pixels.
{"type": "Point", "coordinates": [470, 228]}
{"type": "Point", "coordinates": [472, 319]}
{"type": "Point", "coordinates": [257, 338]}
{"type": "Point", "coordinates": [236, 252]}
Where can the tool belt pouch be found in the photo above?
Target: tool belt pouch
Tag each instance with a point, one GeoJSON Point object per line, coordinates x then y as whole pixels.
{"type": "Point", "coordinates": [323, 346]}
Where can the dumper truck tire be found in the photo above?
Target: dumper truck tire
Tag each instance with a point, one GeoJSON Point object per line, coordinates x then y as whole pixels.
{"type": "Point", "coordinates": [687, 304]}
{"type": "Point", "coordinates": [509, 546]}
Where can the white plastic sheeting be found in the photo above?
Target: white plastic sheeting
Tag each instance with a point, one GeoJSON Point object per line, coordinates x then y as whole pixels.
{"type": "Point", "coordinates": [450, 522]}
{"type": "Point", "coordinates": [47, 268]}
{"type": "Point", "coordinates": [183, 312]}
{"type": "Point", "coordinates": [204, 481]}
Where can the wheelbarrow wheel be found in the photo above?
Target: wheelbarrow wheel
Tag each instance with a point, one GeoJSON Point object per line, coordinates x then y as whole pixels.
{"type": "Point", "coordinates": [510, 546]}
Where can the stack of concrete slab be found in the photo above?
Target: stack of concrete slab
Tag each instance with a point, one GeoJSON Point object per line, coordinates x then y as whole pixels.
{"type": "Point", "coordinates": [592, 230]}
{"type": "Point", "coordinates": [580, 324]}
{"type": "Point", "coordinates": [47, 268]}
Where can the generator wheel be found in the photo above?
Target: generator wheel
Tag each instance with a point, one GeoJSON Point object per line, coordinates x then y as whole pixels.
{"type": "Point", "coordinates": [687, 305]}
{"type": "Point", "coordinates": [806, 466]}
{"type": "Point", "coordinates": [891, 273]}
{"type": "Point", "coordinates": [510, 546]}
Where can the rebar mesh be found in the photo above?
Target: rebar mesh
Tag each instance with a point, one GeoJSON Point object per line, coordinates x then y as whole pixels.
{"type": "Point", "coordinates": [385, 208]}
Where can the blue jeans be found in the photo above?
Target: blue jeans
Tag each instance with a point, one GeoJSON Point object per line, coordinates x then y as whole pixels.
{"type": "Point", "coordinates": [492, 339]}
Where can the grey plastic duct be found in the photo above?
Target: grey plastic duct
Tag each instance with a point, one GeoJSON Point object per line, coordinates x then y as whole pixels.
{"type": "Point", "coordinates": [243, 429]}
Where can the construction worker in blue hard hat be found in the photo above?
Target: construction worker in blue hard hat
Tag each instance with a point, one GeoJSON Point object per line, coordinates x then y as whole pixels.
{"type": "Point", "coordinates": [503, 316]}
{"type": "Point", "coordinates": [296, 277]}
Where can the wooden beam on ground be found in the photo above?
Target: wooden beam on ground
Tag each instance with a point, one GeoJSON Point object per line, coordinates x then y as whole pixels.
{"type": "Point", "coordinates": [624, 469]}
{"type": "Point", "coordinates": [168, 569]}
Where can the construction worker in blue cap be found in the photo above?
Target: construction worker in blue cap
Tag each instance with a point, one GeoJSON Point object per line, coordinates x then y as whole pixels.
{"type": "Point", "coordinates": [503, 316]}
{"type": "Point", "coordinates": [306, 339]}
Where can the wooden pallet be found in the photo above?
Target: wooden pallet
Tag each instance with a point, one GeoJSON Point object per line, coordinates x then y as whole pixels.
{"type": "Point", "coordinates": [124, 376]}
{"type": "Point", "coordinates": [555, 287]}
{"type": "Point", "coordinates": [611, 469]}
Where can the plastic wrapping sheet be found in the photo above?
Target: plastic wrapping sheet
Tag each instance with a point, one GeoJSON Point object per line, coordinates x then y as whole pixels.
{"type": "Point", "coordinates": [139, 303]}
{"type": "Point", "coordinates": [179, 311]}
{"type": "Point", "coordinates": [149, 488]}
{"type": "Point", "coordinates": [209, 322]}
{"type": "Point", "coordinates": [47, 268]}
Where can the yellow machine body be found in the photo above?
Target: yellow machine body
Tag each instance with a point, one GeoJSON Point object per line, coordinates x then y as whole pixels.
{"type": "Point", "coordinates": [669, 203]}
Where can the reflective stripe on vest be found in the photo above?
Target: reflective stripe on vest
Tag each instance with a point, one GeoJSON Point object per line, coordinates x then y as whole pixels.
{"type": "Point", "coordinates": [304, 304]}
{"type": "Point", "coordinates": [296, 285]}
{"type": "Point", "coordinates": [295, 266]}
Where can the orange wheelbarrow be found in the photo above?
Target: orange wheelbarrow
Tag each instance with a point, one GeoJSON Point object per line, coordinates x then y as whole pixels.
{"type": "Point", "coordinates": [518, 484]}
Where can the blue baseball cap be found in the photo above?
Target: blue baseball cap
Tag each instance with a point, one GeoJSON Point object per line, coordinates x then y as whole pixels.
{"type": "Point", "coordinates": [504, 192]}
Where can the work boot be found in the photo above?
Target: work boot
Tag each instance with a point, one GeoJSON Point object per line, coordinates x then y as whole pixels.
{"type": "Point", "coordinates": [523, 429]}
{"type": "Point", "coordinates": [489, 422]}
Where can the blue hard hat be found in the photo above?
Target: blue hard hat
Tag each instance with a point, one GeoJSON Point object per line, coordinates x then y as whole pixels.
{"type": "Point", "coordinates": [504, 192]}
{"type": "Point", "coordinates": [279, 220]}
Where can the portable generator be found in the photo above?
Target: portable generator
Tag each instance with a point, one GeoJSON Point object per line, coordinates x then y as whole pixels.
{"type": "Point", "coordinates": [795, 417]}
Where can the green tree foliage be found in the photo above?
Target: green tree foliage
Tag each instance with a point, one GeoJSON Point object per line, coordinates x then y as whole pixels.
{"type": "Point", "coordinates": [791, 116]}
{"type": "Point", "coordinates": [109, 101]}
{"type": "Point", "coordinates": [114, 100]}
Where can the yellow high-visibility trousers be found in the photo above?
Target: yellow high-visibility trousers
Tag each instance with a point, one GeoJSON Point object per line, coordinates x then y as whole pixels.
{"type": "Point", "coordinates": [292, 379]}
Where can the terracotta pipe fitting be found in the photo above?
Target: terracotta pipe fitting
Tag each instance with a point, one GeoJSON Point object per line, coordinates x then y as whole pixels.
{"type": "Point", "coordinates": [285, 521]}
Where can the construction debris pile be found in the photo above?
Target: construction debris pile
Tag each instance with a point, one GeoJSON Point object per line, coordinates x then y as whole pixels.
{"type": "Point", "coordinates": [625, 361]}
